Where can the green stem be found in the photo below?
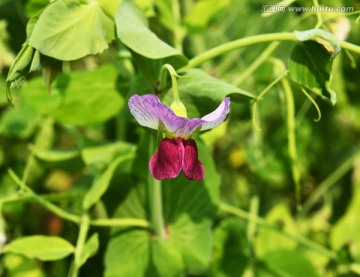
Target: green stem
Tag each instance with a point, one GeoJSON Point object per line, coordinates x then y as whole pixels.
{"type": "Point", "coordinates": [295, 171]}
{"type": "Point", "coordinates": [178, 33]}
{"type": "Point", "coordinates": [163, 73]}
{"type": "Point", "coordinates": [349, 46]}
{"type": "Point", "coordinates": [157, 210]}
{"type": "Point", "coordinates": [318, 16]}
{"type": "Point", "coordinates": [262, 222]}
{"type": "Point", "coordinates": [250, 69]}
{"type": "Point", "coordinates": [155, 201]}
{"type": "Point", "coordinates": [243, 42]}
{"type": "Point", "coordinates": [46, 204]}
{"type": "Point", "coordinates": [42, 200]}
{"type": "Point", "coordinates": [84, 228]}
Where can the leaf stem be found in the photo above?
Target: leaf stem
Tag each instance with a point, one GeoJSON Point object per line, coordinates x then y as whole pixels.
{"type": "Point", "coordinates": [262, 222]}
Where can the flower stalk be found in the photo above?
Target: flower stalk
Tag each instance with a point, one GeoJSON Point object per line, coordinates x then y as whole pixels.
{"type": "Point", "coordinates": [177, 106]}
{"type": "Point", "coordinates": [155, 202]}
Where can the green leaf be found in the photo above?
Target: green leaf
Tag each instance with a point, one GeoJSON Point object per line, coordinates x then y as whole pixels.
{"type": "Point", "coordinates": [102, 181]}
{"type": "Point", "coordinates": [91, 248]}
{"type": "Point", "coordinates": [67, 30]}
{"type": "Point", "coordinates": [81, 98]}
{"type": "Point", "coordinates": [286, 263]}
{"type": "Point", "coordinates": [310, 66]}
{"type": "Point", "coordinates": [189, 207]}
{"type": "Point", "coordinates": [44, 248]}
{"type": "Point", "coordinates": [202, 93]}
{"type": "Point", "coordinates": [132, 30]}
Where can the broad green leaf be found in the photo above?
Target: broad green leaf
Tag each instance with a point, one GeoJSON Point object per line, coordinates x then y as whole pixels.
{"type": "Point", "coordinates": [102, 181]}
{"type": "Point", "coordinates": [288, 263]}
{"type": "Point", "coordinates": [81, 98]}
{"type": "Point", "coordinates": [44, 248]}
{"type": "Point", "coordinates": [202, 93]}
{"type": "Point", "coordinates": [310, 66]}
{"type": "Point", "coordinates": [346, 230]}
{"type": "Point", "coordinates": [91, 247]}
{"type": "Point", "coordinates": [269, 240]}
{"type": "Point", "coordinates": [67, 30]}
{"type": "Point", "coordinates": [69, 160]}
{"type": "Point", "coordinates": [189, 207]}
{"type": "Point", "coordinates": [132, 30]}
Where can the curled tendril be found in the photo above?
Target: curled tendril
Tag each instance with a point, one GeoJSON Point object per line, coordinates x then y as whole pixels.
{"type": "Point", "coordinates": [314, 103]}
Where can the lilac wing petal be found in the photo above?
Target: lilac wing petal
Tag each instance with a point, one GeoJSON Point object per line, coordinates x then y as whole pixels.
{"type": "Point", "coordinates": [170, 122]}
{"type": "Point", "coordinates": [215, 118]}
{"type": "Point", "coordinates": [150, 112]}
{"type": "Point", "coordinates": [145, 109]}
{"type": "Point", "coordinates": [190, 127]}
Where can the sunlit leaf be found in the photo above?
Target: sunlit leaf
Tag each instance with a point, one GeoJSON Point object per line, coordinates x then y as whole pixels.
{"type": "Point", "coordinates": [67, 30]}
{"type": "Point", "coordinates": [81, 98]}
{"type": "Point", "coordinates": [132, 30]}
{"type": "Point", "coordinates": [44, 248]}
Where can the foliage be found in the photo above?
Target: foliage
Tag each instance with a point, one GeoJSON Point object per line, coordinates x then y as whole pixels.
{"type": "Point", "coordinates": [281, 192]}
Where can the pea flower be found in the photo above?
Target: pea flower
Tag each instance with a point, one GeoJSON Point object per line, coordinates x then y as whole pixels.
{"type": "Point", "coordinates": [176, 151]}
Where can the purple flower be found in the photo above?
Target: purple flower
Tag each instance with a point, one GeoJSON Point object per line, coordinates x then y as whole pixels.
{"type": "Point", "coordinates": [176, 151]}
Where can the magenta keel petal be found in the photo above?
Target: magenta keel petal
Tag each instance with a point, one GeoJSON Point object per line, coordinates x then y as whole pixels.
{"type": "Point", "coordinates": [192, 167]}
{"type": "Point", "coordinates": [168, 159]}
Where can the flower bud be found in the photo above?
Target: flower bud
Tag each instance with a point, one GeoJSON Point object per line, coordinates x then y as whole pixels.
{"type": "Point", "coordinates": [178, 108]}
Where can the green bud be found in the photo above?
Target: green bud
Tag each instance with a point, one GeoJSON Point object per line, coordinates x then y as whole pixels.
{"type": "Point", "coordinates": [178, 108]}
